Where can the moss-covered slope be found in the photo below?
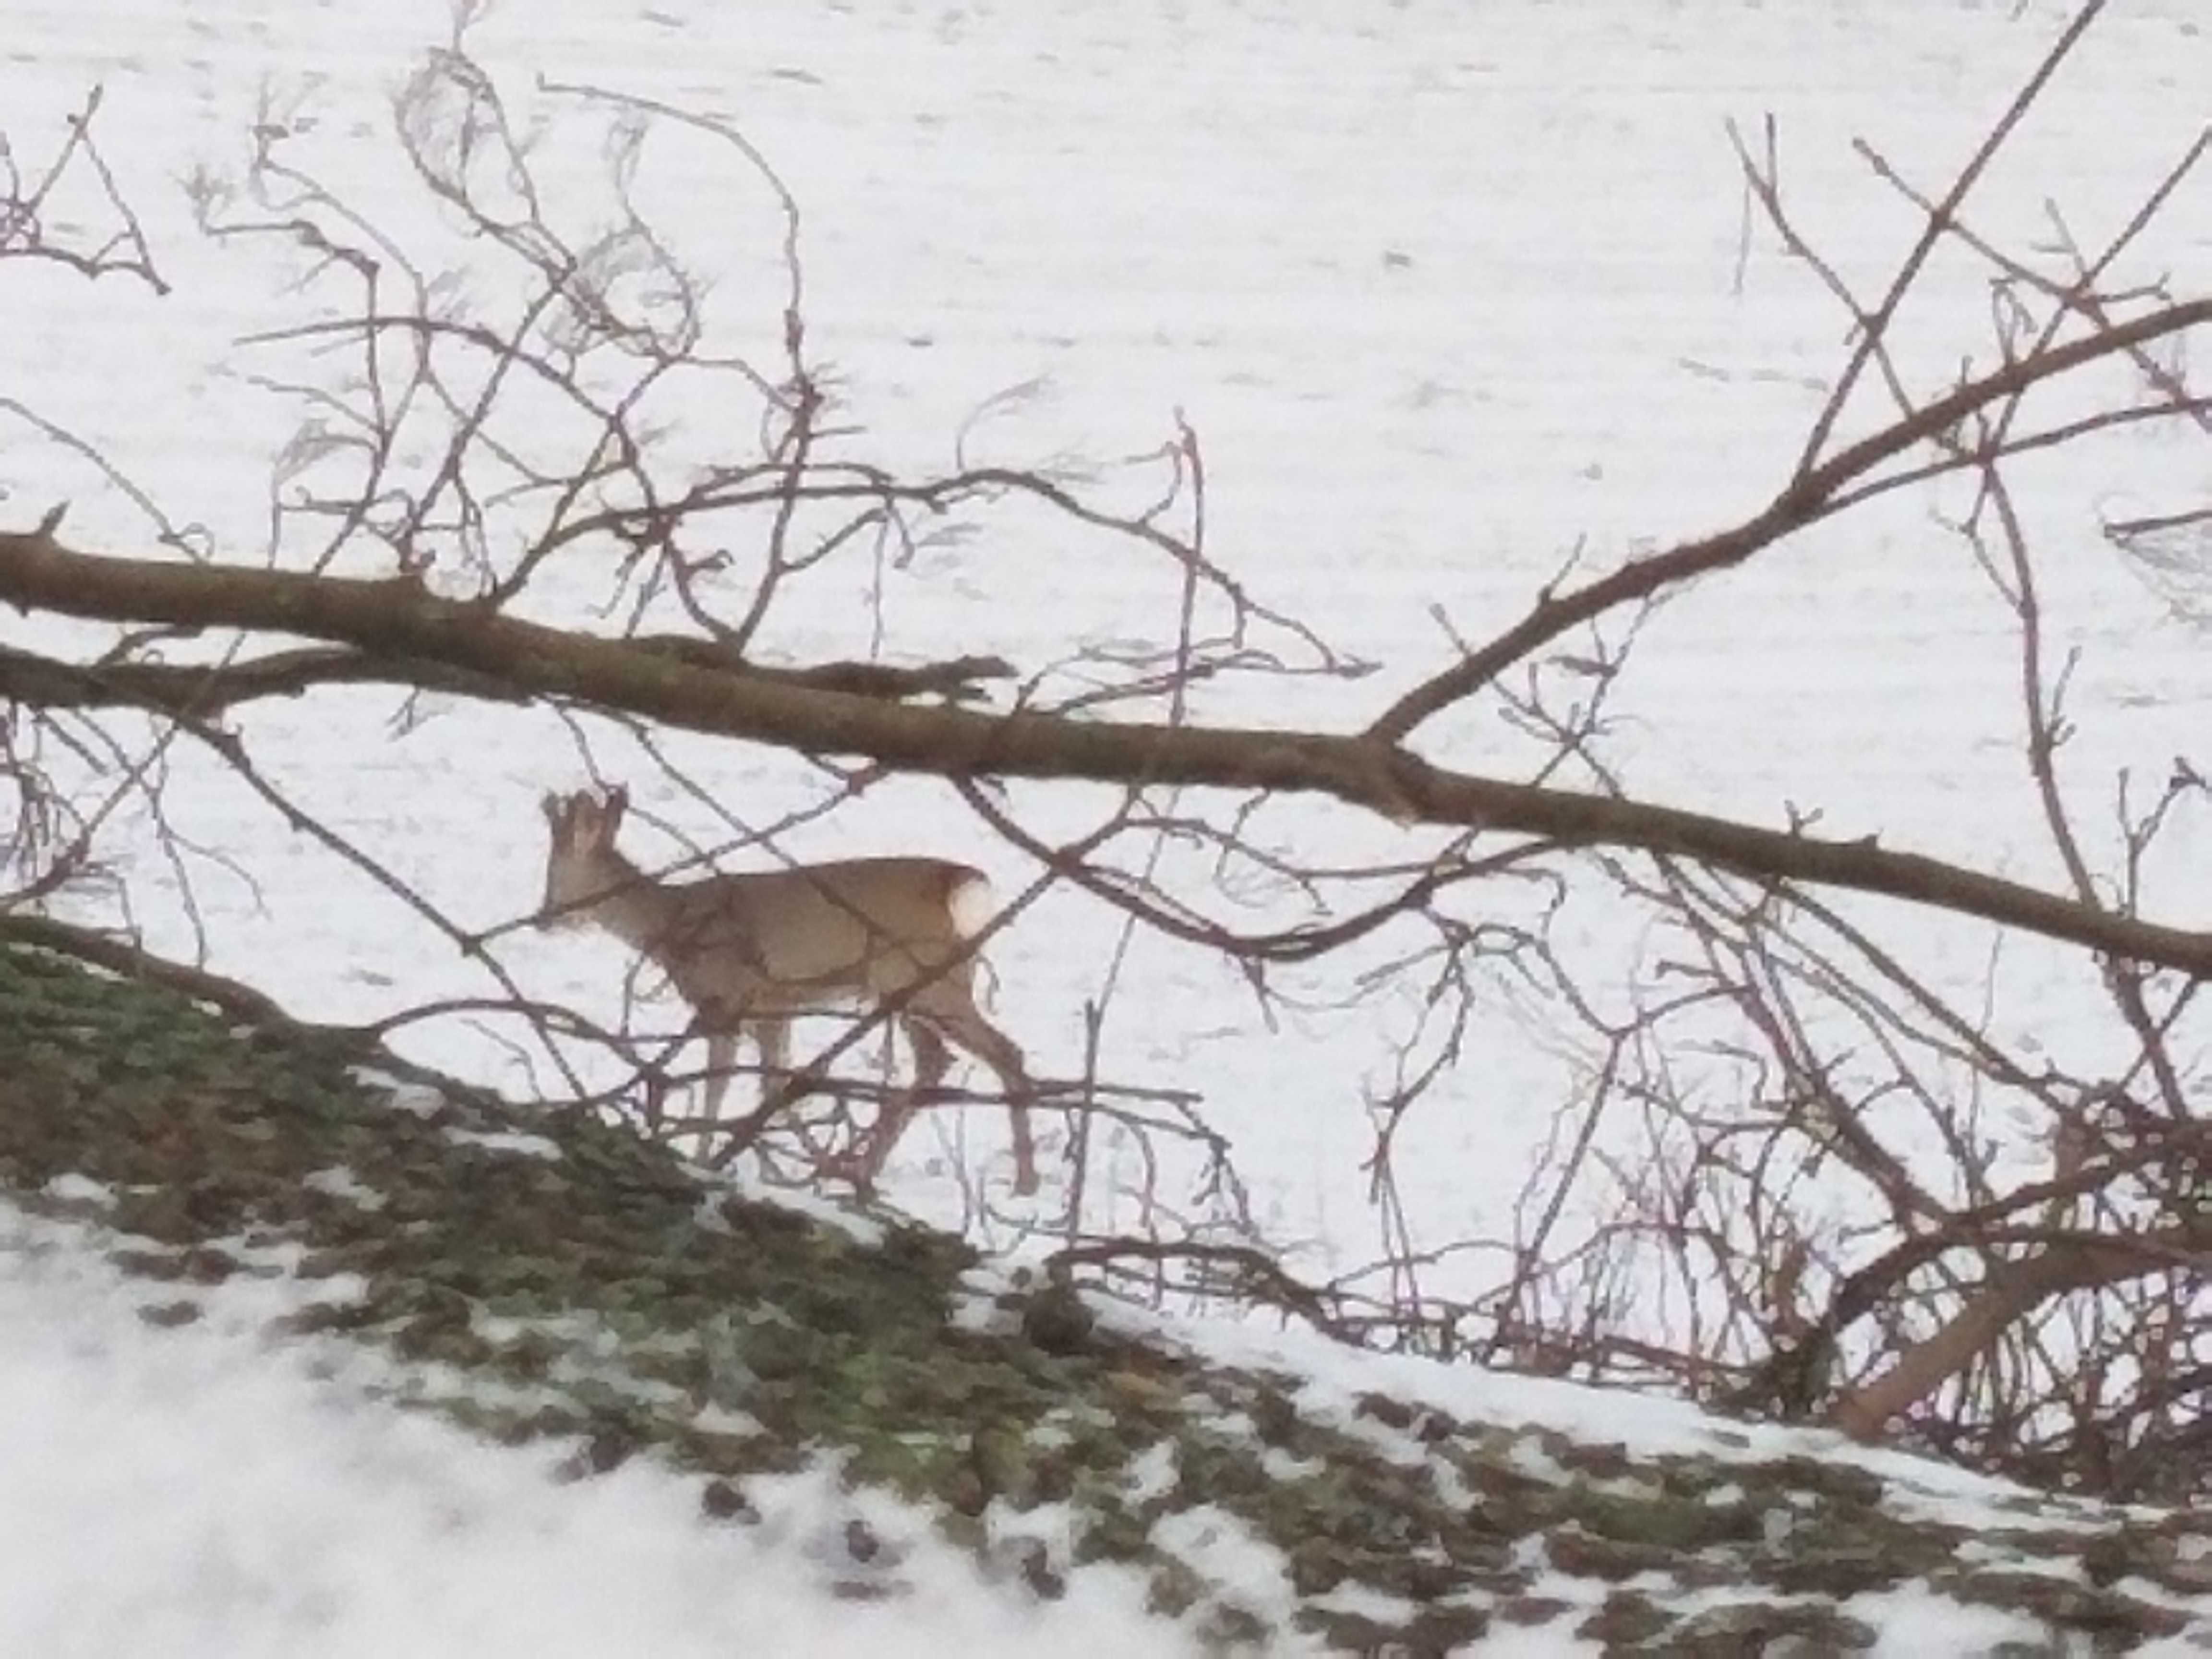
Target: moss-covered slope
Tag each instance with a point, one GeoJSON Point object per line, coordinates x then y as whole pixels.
{"type": "Point", "coordinates": [535, 1274]}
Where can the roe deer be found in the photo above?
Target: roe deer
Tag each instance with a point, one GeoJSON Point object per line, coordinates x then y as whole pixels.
{"type": "Point", "coordinates": [750, 952]}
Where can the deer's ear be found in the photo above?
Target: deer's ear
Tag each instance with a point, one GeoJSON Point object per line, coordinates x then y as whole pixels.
{"type": "Point", "coordinates": [550, 804]}
{"type": "Point", "coordinates": [617, 802]}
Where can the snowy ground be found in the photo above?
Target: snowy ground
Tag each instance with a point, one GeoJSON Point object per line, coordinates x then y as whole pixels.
{"type": "Point", "coordinates": [193, 1489]}
{"type": "Point", "coordinates": [1442, 288]}
{"type": "Point", "coordinates": [198, 1492]}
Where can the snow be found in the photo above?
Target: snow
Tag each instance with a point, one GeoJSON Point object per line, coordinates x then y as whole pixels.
{"type": "Point", "coordinates": [1444, 290]}
{"type": "Point", "coordinates": [511, 1142]}
{"type": "Point", "coordinates": [339, 1182]}
{"type": "Point", "coordinates": [198, 1490]}
{"type": "Point", "coordinates": [1643, 1426]}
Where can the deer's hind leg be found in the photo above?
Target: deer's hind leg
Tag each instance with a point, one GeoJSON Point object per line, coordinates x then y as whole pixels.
{"type": "Point", "coordinates": [772, 1040]}
{"type": "Point", "coordinates": [721, 1056]}
{"type": "Point", "coordinates": [946, 1009]}
{"type": "Point", "coordinates": [872, 1150]}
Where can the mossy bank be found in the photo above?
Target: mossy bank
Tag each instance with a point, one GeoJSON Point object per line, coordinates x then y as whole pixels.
{"type": "Point", "coordinates": [544, 1275]}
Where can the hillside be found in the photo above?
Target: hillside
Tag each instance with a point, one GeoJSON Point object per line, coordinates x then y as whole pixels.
{"type": "Point", "coordinates": [547, 1278]}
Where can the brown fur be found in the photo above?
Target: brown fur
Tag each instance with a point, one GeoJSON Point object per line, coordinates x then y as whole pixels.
{"type": "Point", "coordinates": [751, 952]}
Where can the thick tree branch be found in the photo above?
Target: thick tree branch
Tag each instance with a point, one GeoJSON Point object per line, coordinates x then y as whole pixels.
{"type": "Point", "coordinates": [396, 619]}
{"type": "Point", "coordinates": [2011, 1291]}
{"type": "Point", "coordinates": [199, 690]}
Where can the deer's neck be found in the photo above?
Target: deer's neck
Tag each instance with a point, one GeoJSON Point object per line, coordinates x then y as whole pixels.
{"type": "Point", "coordinates": [634, 907]}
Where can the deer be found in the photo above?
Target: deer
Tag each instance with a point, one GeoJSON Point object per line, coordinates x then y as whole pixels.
{"type": "Point", "coordinates": [751, 951]}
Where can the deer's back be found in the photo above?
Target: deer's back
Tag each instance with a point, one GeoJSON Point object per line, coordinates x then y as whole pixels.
{"type": "Point", "coordinates": [813, 934]}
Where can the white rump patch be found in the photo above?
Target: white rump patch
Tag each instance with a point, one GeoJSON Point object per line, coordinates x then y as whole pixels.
{"type": "Point", "coordinates": [972, 903]}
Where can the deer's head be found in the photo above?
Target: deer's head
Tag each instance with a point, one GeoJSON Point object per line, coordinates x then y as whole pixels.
{"type": "Point", "coordinates": [582, 865]}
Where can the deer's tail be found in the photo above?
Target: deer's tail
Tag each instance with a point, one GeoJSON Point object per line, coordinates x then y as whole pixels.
{"type": "Point", "coordinates": [972, 902]}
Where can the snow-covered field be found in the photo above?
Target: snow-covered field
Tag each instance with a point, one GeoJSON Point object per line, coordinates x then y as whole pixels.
{"type": "Point", "coordinates": [1444, 289]}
